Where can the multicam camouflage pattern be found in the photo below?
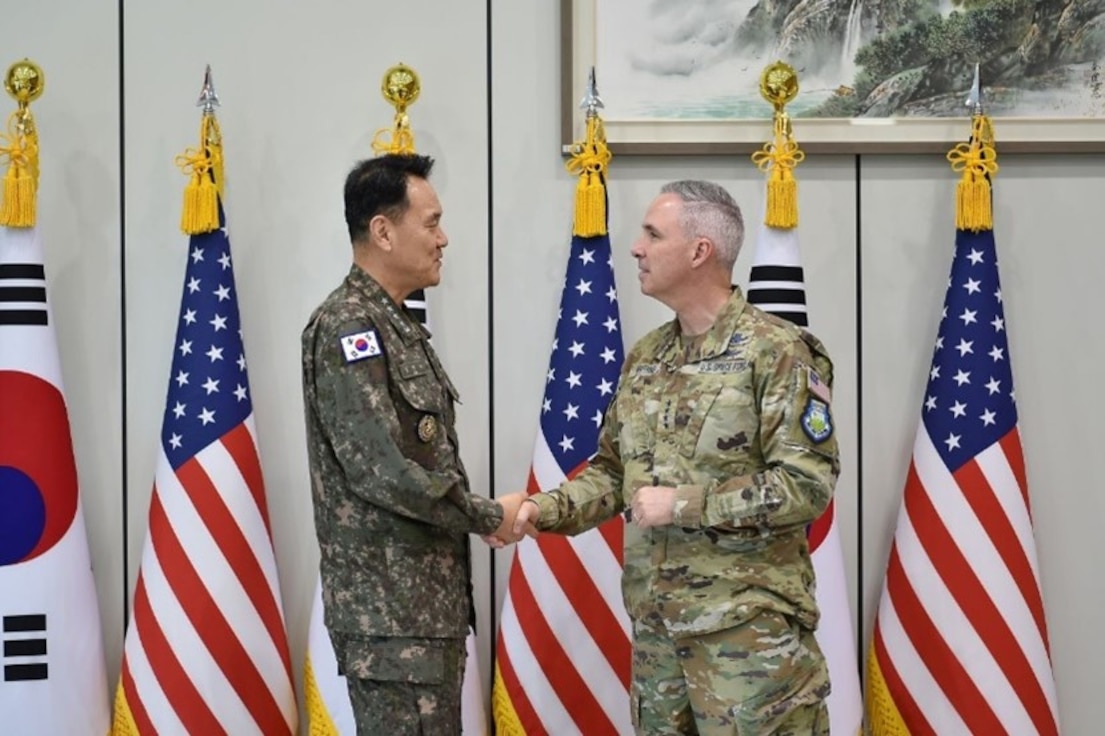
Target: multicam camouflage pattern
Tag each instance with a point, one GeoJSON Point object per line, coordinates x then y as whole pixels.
{"type": "Point", "coordinates": [391, 500]}
{"type": "Point", "coordinates": [405, 687]}
{"type": "Point", "coordinates": [766, 676]}
{"type": "Point", "coordinates": [729, 419]}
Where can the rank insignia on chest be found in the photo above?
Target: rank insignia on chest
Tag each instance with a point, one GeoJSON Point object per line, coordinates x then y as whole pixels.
{"type": "Point", "coordinates": [360, 345]}
{"type": "Point", "coordinates": [817, 423]}
{"type": "Point", "coordinates": [427, 427]}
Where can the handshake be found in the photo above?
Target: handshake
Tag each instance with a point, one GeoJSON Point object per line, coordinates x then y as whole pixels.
{"type": "Point", "coordinates": [518, 520]}
{"type": "Point", "coordinates": [650, 506]}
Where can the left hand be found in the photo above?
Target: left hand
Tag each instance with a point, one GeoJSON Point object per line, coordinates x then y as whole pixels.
{"type": "Point", "coordinates": [653, 506]}
{"type": "Point", "coordinates": [509, 532]}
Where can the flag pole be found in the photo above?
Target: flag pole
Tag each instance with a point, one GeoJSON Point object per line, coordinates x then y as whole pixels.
{"type": "Point", "coordinates": [204, 166]}
{"type": "Point", "coordinates": [401, 86]}
{"type": "Point", "coordinates": [977, 160]}
{"type": "Point", "coordinates": [25, 83]}
{"type": "Point", "coordinates": [590, 161]}
{"type": "Point", "coordinates": [779, 85]}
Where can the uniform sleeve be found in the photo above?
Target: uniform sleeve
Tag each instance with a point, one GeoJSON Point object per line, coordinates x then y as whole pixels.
{"type": "Point", "coordinates": [801, 458]}
{"type": "Point", "coordinates": [356, 412]}
{"type": "Point", "coordinates": [594, 495]}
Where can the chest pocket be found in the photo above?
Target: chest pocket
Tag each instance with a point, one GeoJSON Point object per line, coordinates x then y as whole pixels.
{"type": "Point", "coordinates": [419, 385]}
{"type": "Point", "coordinates": [638, 409]}
{"type": "Point", "coordinates": [723, 422]}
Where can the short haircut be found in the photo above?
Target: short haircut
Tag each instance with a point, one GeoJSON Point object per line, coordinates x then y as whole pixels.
{"type": "Point", "coordinates": [378, 186]}
{"type": "Point", "coordinates": [709, 211]}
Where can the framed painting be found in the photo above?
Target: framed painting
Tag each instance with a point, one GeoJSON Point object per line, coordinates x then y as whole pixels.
{"type": "Point", "coordinates": [875, 76]}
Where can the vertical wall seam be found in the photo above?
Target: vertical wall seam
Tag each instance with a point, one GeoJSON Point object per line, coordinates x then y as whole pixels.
{"type": "Point", "coordinates": [123, 305]}
{"type": "Point", "coordinates": [859, 415]}
{"type": "Point", "coordinates": [492, 588]}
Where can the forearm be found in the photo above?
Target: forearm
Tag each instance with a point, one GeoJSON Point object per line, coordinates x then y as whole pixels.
{"type": "Point", "coordinates": [777, 498]}
{"type": "Point", "coordinates": [580, 504]}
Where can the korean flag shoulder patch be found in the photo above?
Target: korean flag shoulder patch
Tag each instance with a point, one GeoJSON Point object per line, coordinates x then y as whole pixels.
{"type": "Point", "coordinates": [360, 345]}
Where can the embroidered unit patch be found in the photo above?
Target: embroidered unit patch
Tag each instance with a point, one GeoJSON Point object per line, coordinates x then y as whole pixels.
{"type": "Point", "coordinates": [817, 423]}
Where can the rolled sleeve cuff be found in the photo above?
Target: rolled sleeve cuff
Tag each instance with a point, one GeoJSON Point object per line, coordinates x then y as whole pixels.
{"type": "Point", "coordinates": [687, 511]}
{"type": "Point", "coordinates": [550, 509]}
{"type": "Point", "coordinates": [490, 514]}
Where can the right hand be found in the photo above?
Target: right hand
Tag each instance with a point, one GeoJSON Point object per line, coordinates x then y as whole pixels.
{"type": "Point", "coordinates": [510, 529]}
{"type": "Point", "coordinates": [526, 518]}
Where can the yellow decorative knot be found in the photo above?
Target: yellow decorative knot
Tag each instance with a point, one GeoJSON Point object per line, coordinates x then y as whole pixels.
{"type": "Point", "coordinates": [778, 159]}
{"type": "Point", "coordinates": [396, 139]}
{"type": "Point", "coordinates": [20, 148]}
{"type": "Point", "coordinates": [977, 160]}
{"type": "Point", "coordinates": [204, 167]}
{"type": "Point", "coordinates": [590, 161]}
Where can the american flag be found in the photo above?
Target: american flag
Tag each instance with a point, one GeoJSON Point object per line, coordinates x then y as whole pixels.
{"type": "Point", "coordinates": [777, 285]}
{"type": "Point", "coordinates": [206, 651]}
{"type": "Point", "coordinates": [564, 650]}
{"type": "Point", "coordinates": [960, 642]}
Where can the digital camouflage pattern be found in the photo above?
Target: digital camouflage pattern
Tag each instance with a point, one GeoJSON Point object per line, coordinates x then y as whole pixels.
{"type": "Point", "coordinates": [738, 421]}
{"type": "Point", "coordinates": [390, 696]}
{"type": "Point", "coordinates": [392, 505]}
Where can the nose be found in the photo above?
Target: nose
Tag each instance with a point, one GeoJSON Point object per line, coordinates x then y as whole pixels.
{"type": "Point", "coordinates": [638, 249]}
{"type": "Point", "coordinates": [442, 238]}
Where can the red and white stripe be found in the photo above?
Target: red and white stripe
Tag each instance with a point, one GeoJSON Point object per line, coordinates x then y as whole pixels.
{"type": "Point", "coordinates": [206, 652]}
{"type": "Point", "coordinates": [960, 639]}
{"type": "Point", "coordinates": [564, 631]}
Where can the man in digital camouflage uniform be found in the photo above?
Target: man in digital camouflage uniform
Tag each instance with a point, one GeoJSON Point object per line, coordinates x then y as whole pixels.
{"type": "Point", "coordinates": [719, 446]}
{"type": "Point", "coordinates": [392, 505]}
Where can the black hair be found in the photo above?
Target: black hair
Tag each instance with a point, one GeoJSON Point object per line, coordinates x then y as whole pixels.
{"type": "Point", "coordinates": [378, 186]}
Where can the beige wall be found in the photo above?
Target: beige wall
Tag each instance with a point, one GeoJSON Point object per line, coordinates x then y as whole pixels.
{"type": "Point", "coordinates": [299, 84]}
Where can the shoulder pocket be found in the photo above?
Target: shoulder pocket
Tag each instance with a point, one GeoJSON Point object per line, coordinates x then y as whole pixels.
{"type": "Point", "coordinates": [724, 420]}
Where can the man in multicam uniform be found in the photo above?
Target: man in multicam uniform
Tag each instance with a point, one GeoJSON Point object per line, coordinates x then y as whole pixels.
{"type": "Point", "coordinates": [391, 500]}
{"type": "Point", "coordinates": [719, 446]}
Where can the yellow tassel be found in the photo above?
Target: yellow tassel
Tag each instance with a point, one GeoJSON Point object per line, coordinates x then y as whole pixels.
{"type": "Point", "coordinates": [20, 146]}
{"type": "Point", "coordinates": [978, 162]}
{"type": "Point", "coordinates": [778, 159]}
{"type": "Point", "coordinates": [782, 203]}
{"type": "Point", "coordinates": [590, 162]}
{"type": "Point", "coordinates": [200, 211]}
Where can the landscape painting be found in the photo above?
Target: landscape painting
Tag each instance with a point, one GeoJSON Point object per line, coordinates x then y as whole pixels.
{"type": "Point", "coordinates": [889, 71]}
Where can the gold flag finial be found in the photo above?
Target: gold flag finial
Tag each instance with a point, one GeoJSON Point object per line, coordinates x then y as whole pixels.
{"type": "Point", "coordinates": [978, 161]}
{"type": "Point", "coordinates": [204, 167]}
{"type": "Point", "coordinates": [778, 157]}
{"type": "Point", "coordinates": [590, 160]}
{"type": "Point", "coordinates": [25, 83]}
{"type": "Point", "coordinates": [400, 87]}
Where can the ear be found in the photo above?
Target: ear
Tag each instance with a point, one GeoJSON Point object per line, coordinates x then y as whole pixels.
{"type": "Point", "coordinates": [703, 251]}
{"type": "Point", "coordinates": [379, 229]}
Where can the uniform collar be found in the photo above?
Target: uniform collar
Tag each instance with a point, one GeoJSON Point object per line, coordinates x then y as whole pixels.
{"type": "Point", "coordinates": [407, 327]}
{"type": "Point", "coordinates": [714, 342]}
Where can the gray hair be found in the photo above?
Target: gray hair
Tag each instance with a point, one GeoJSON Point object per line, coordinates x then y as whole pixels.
{"type": "Point", "coordinates": [709, 211]}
